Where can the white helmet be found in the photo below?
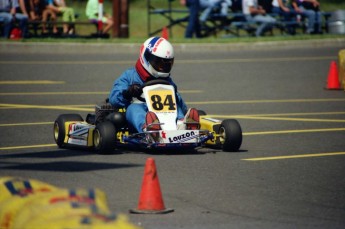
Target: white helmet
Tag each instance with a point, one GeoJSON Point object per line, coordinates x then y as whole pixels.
{"type": "Point", "coordinates": [157, 56]}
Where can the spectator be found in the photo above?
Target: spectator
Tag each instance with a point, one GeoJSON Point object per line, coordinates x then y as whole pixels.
{"type": "Point", "coordinates": [193, 27]}
{"type": "Point", "coordinates": [36, 9]}
{"type": "Point", "coordinates": [59, 7]}
{"type": "Point", "coordinates": [39, 12]}
{"type": "Point", "coordinates": [255, 13]}
{"type": "Point", "coordinates": [45, 13]}
{"type": "Point", "coordinates": [288, 15]}
{"type": "Point", "coordinates": [311, 10]}
{"type": "Point", "coordinates": [24, 7]}
{"type": "Point", "coordinates": [92, 15]}
{"type": "Point", "coordinates": [266, 5]}
{"type": "Point", "coordinates": [8, 14]}
{"type": "Point", "coordinates": [209, 5]}
{"type": "Point", "coordinates": [236, 6]}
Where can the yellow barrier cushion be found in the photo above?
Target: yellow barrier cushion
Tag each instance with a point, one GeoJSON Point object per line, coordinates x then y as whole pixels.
{"type": "Point", "coordinates": [31, 204]}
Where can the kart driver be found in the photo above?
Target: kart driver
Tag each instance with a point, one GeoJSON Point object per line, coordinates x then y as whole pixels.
{"type": "Point", "coordinates": [155, 61]}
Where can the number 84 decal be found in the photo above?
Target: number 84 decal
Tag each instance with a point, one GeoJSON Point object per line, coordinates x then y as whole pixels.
{"type": "Point", "coordinates": [162, 101]}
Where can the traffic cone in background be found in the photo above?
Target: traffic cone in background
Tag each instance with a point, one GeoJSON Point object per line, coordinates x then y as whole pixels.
{"type": "Point", "coordinates": [150, 200]}
{"type": "Point", "coordinates": [333, 78]}
{"type": "Point", "coordinates": [165, 33]}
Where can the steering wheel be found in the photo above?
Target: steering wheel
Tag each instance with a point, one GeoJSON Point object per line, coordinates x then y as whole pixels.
{"type": "Point", "coordinates": [156, 81]}
{"type": "Point", "coordinates": [152, 82]}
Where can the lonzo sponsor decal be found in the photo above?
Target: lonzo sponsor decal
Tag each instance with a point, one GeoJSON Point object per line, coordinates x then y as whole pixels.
{"type": "Point", "coordinates": [183, 137]}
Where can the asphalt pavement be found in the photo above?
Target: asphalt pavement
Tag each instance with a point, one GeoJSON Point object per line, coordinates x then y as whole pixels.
{"type": "Point", "coordinates": [289, 172]}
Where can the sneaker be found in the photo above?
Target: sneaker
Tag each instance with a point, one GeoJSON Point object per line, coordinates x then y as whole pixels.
{"type": "Point", "coordinates": [152, 124]}
{"type": "Point", "coordinates": [192, 119]}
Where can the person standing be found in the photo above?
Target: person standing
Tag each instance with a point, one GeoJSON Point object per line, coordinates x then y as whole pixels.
{"type": "Point", "coordinates": [193, 27]}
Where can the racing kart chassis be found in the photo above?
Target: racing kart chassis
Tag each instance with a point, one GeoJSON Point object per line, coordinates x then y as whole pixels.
{"type": "Point", "coordinates": [71, 131]}
{"type": "Point", "coordinates": [108, 129]}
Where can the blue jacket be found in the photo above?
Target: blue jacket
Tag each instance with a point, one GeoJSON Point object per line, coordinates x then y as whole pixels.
{"type": "Point", "coordinates": [130, 77]}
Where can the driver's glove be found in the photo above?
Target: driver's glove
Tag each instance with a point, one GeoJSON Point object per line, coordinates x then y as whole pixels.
{"type": "Point", "coordinates": [133, 90]}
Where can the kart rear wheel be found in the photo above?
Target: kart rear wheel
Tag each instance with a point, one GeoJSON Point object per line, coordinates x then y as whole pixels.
{"type": "Point", "coordinates": [104, 137]}
{"type": "Point", "coordinates": [230, 133]}
{"type": "Point", "coordinates": [59, 127]}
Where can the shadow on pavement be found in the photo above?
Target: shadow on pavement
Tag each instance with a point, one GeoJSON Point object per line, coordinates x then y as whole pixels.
{"type": "Point", "coordinates": [58, 166]}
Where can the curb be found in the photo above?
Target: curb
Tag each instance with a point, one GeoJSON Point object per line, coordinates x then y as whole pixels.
{"type": "Point", "coordinates": [104, 48]}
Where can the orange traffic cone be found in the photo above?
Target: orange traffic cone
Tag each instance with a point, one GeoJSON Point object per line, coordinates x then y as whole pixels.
{"type": "Point", "coordinates": [333, 78]}
{"type": "Point", "coordinates": [150, 200]}
{"type": "Point", "coordinates": [165, 33]}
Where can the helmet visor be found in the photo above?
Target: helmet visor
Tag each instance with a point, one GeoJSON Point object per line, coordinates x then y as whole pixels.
{"type": "Point", "coordinates": [158, 63]}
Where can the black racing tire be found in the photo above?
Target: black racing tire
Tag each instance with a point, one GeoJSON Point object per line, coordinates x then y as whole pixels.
{"type": "Point", "coordinates": [201, 112]}
{"type": "Point", "coordinates": [230, 135]}
{"type": "Point", "coordinates": [104, 138]}
{"type": "Point", "coordinates": [59, 127]}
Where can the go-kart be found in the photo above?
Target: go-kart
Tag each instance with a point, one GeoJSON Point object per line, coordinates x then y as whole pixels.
{"type": "Point", "coordinates": [107, 129]}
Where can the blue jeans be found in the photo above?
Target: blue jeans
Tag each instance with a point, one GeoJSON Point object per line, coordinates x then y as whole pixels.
{"type": "Point", "coordinates": [136, 115]}
{"type": "Point", "coordinates": [265, 22]}
{"type": "Point", "coordinates": [7, 18]}
{"type": "Point", "coordinates": [209, 5]}
{"type": "Point", "coordinates": [287, 16]}
{"type": "Point", "coordinates": [193, 27]}
{"type": "Point", "coordinates": [314, 20]}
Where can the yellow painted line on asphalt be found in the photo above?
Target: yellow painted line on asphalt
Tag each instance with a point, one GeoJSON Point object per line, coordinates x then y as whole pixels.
{"type": "Point", "coordinates": [7, 82]}
{"type": "Point", "coordinates": [276, 59]}
{"type": "Point", "coordinates": [299, 114]}
{"type": "Point", "coordinates": [293, 131]}
{"type": "Point", "coordinates": [82, 105]}
{"type": "Point", "coordinates": [57, 93]}
{"type": "Point", "coordinates": [194, 61]}
{"type": "Point", "coordinates": [27, 124]}
{"type": "Point", "coordinates": [67, 107]}
{"type": "Point", "coordinates": [294, 156]}
{"type": "Point", "coordinates": [272, 116]}
{"type": "Point", "coordinates": [288, 119]}
{"type": "Point", "coordinates": [26, 106]}
{"type": "Point", "coordinates": [267, 101]}
{"type": "Point", "coordinates": [80, 93]}
{"type": "Point", "coordinates": [27, 147]}
{"type": "Point", "coordinates": [71, 62]}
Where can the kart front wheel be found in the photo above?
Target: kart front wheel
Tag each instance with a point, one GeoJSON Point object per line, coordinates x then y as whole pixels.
{"type": "Point", "coordinates": [104, 138]}
{"type": "Point", "coordinates": [230, 134]}
{"type": "Point", "coordinates": [59, 127]}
